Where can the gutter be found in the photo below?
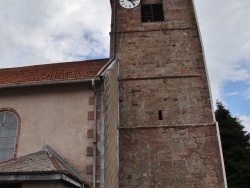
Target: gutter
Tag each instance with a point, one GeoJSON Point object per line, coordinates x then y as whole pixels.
{"type": "Point", "coordinates": [50, 83]}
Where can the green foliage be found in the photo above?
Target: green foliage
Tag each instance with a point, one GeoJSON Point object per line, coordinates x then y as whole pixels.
{"type": "Point", "coordinates": [236, 148]}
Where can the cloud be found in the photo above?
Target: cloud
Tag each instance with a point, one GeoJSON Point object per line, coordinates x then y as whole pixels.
{"type": "Point", "coordinates": [245, 122]}
{"type": "Point", "coordinates": [226, 39]}
{"type": "Point", "coordinates": [247, 94]}
{"type": "Point", "coordinates": [233, 94]}
{"type": "Point", "coordinates": [45, 31]}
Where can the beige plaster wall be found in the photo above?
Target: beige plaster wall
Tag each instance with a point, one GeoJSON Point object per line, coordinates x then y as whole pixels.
{"type": "Point", "coordinates": [56, 116]}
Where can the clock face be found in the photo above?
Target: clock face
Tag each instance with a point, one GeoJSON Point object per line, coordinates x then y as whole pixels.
{"type": "Point", "coordinates": [129, 4]}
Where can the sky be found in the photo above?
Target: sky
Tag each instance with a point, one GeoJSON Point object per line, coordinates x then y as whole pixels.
{"type": "Point", "coordinates": [50, 31]}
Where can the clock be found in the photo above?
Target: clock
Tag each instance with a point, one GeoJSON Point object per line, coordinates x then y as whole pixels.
{"type": "Point", "coordinates": [129, 4]}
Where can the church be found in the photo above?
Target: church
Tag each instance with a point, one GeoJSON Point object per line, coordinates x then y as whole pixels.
{"type": "Point", "coordinates": [141, 118]}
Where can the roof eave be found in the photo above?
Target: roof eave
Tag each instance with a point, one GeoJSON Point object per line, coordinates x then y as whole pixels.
{"type": "Point", "coordinates": [39, 177]}
{"type": "Point", "coordinates": [49, 83]}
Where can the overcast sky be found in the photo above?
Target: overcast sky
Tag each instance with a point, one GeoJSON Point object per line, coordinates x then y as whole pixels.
{"type": "Point", "coordinates": [49, 31]}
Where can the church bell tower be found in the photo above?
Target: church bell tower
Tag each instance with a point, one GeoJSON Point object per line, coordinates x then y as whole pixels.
{"type": "Point", "coordinates": [167, 130]}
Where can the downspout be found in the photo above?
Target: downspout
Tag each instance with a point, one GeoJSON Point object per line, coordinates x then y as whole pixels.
{"type": "Point", "coordinates": [95, 133]}
{"type": "Point", "coordinates": [102, 138]}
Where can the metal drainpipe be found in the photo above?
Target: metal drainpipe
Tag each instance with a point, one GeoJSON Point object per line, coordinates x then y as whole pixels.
{"type": "Point", "coordinates": [95, 132]}
{"type": "Point", "coordinates": [102, 149]}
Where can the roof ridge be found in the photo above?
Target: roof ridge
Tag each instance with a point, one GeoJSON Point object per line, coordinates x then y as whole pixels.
{"type": "Point", "coordinates": [52, 154]}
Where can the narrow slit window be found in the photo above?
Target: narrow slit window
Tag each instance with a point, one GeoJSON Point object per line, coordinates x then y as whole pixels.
{"type": "Point", "coordinates": [152, 13]}
{"type": "Point", "coordinates": [160, 114]}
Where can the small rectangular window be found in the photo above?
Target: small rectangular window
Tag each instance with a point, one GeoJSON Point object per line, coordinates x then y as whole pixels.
{"type": "Point", "coordinates": [152, 13]}
{"type": "Point", "coordinates": [160, 114]}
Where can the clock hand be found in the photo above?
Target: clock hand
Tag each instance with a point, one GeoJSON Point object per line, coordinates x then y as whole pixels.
{"type": "Point", "coordinates": [135, 2]}
{"type": "Point", "coordinates": [132, 1]}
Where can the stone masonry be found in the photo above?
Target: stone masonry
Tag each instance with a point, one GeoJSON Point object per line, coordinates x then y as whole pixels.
{"type": "Point", "coordinates": [167, 132]}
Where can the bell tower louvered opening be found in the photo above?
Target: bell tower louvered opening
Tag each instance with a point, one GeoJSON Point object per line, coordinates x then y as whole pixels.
{"type": "Point", "coordinates": [152, 13]}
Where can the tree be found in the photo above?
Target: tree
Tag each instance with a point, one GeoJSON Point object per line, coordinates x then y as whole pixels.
{"type": "Point", "coordinates": [236, 148]}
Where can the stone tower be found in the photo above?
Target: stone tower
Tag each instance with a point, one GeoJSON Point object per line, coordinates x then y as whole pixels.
{"type": "Point", "coordinates": [167, 131]}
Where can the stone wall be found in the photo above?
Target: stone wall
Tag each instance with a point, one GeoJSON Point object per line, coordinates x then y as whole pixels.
{"type": "Point", "coordinates": [180, 100]}
{"type": "Point", "coordinates": [167, 131]}
{"type": "Point", "coordinates": [184, 157]}
{"type": "Point", "coordinates": [111, 128]}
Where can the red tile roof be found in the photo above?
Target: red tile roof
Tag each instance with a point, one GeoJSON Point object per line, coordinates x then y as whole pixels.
{"type": "Point", "coordinates": [48, 73]}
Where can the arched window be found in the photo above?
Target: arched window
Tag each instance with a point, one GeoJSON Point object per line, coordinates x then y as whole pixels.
{"type": "Point", "coordinates": [8, 135]}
